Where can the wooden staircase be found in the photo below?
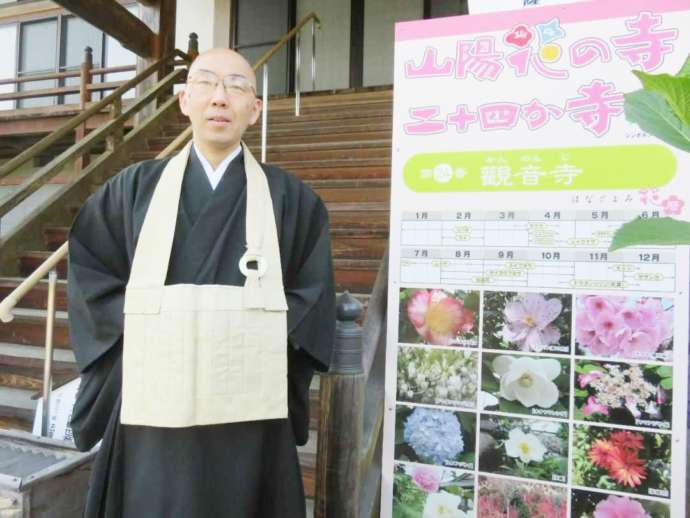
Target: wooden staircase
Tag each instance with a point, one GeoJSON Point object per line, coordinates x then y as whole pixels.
{"type": "Point", "coordinates": [340, 146]}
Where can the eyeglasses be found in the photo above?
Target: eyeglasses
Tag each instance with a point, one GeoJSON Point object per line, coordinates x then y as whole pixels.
{"type": "Point", "coordinates": [235, 85]}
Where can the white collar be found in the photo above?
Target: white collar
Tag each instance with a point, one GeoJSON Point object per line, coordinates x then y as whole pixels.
{"type": "Point", "coordinates": [214, 175]}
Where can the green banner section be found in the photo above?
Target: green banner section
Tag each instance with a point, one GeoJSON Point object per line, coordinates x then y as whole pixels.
{"type": "Point", "coordinates": [552, 169]}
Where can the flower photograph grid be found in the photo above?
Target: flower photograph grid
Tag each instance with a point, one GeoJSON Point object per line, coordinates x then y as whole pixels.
{"type": "Point", "coordinates": [529, 322]}
{"type": "Point", "coordinates": [437, 376]}
{"type": "Point", "coordinates": [525, 384]}
{"type": "Point", "coordinates": [527, 448]}
{"type": "Point", "coordinates": [505, 498]}
{"type": "Point", "coordinates": [435, 436]}
{"type": "Point", "coordinates": [439, 317]}
{"type": "Point", "coordinates": [622, 460]}
{"type": "Point", "coordinates": [590, 504]}
{"type": "Point", "coordinates": [639, 328]}
{"type": "Point", "coordinates": [623, 393]}
{"type": "Point", "coordinates": [432, 491]}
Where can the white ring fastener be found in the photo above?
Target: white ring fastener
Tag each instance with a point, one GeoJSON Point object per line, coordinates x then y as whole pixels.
{"type": "Point", "coordinates": [261, 265]}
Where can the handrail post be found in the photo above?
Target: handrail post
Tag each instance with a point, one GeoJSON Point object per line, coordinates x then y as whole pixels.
{"type": "Point", "coordinates": [298, 59]}
{"type": "Point", "coordinates": [193, 46]}
{"type": "Point", "coordinates": [48, 361]}
{"type": "Point", "coordinates": [264, 113]}
{"type": "Point", "coordinates": [341, 417]}
{"type": "Point", "coordinates": [84, 98]}
{"type": "Point", "coordinates": [115, 138]}
{"type": "Point", "coordinates": [313, 55]}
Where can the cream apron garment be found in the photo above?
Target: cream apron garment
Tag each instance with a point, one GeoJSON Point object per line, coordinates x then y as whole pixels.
{"type": "Point", "coordinates": [205, 354]}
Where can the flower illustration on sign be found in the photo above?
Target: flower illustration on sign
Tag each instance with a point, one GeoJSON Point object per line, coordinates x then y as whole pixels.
{"type": "Point", "coordinates": [434, 434]}
{"type": "Point", "coordinates": [528, 380]}
{"type": "Point", "coordinates": [619, 507]}
{"type": "Point", "coordinates": [519, 37]}
{"type": "Point", "coordinates": [528, 321]}
{"type": "Point", "coordinates": [439, 317]}
{"type": "Point", "coordinates": [524, 446]}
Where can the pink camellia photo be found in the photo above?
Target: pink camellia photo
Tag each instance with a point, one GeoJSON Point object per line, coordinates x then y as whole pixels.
{"type": "Point", "coordinates": [639, 328]}
{"type": "Point", "coordinates": [439, 317]}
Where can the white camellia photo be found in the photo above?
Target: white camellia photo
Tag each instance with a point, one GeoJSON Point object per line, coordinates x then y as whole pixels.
{"type": "Point", "coordinates": [527, 380]}
{"type": "Point", "coordinates": [525, 384]}
{"type": "Point", "coordinates": [444, 505]}
{"type": "Point", "coordinates": [525, 446]}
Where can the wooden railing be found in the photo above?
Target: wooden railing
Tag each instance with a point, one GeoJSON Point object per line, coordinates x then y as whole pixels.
{"type": "Point", "coordinates": [86, 73]}
{"type": "Point", "coordinates": [111, 132]}
{"type": "Point", "coordinates": [348, 462]}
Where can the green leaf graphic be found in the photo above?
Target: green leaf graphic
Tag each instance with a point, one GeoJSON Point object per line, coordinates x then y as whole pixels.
{"type": "Point", "coordinates": [685, 69]}
{"type": "Point", "coordinates": [653, 114]}
{"type": "Point", "coordinates": [675, 89]}
{"type": "Point", "coordinates": [655, 231]}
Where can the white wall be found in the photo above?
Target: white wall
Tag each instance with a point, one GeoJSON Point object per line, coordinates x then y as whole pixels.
{"type": "Point", "coordinates": [8, 64]}
{"type": "Point", "coordinates": [379, 24]}
{"type": "Point", "coordinates": [332, 44]}
{"type": "Point", "coordinates": [210, 19]}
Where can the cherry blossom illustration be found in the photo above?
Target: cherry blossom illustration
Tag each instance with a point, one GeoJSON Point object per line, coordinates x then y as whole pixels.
{"type": "Point", "coordinates": [531, 322]}
{"type": "Point", "coordinates": [439, 317]}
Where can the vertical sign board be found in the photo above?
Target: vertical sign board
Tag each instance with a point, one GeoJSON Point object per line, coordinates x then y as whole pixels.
{"type": "Point", "coordinates": [530, 371]}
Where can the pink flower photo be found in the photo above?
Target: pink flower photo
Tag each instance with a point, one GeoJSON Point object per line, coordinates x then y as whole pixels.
{"type": "Point", "coordinates": [439, 317]}
{"type": "Point", "coordinates": [526, 321]}
{"type": "Point", "coordinates": [624, 327]}
{"type": "Point", "coordinates": [586, 504]}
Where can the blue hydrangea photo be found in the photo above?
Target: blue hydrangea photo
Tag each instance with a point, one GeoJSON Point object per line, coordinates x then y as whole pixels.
{"type": "Point", "coordinates": [435, 436]}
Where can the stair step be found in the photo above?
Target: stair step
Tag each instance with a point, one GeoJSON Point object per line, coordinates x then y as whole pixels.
{"type": "Point", "coordinates": [37, 297]}
{"type": "Point", "coordinates": [55, 236]}
{"type": "Point", "coordinates": [28, 378]}
{"type": "Point", "coordinates": [294, 166]}
{"type": "Point", "coordinates": [355, 274]}
{"type": "Point", "coordinates": [31, 330]}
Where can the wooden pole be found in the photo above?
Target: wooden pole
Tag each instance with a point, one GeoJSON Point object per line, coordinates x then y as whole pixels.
{"type": "Point", "coordinates": [341, 419]}
{"type": "Point", "coordinates": [84, 99]}
{"type": "Point", "coordinates": [115, 138]}
{"type": "Point", "coordinates": [193, 46]}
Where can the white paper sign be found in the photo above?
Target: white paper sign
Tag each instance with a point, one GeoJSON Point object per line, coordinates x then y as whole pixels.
{"type": "Point", "coordinates": [61, 405]}
{"type": "Point", "coordinates": [530, 370]}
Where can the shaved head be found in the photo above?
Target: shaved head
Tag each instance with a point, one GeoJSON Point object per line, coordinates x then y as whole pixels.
{"type": "Point", "coordinates": [223, 59]}
{"type": "Point", "coordinates": [220, 114]}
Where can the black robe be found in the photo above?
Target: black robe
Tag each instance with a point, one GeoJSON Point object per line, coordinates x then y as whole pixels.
{"type": "Point", "coordinates": [232, 470]}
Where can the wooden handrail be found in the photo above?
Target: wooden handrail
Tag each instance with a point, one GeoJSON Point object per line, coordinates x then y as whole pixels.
{"type": "Point", "coordinates": [9, 302]}
{"type": "Point", "coordinates": [288, 36]}
{"type": "Point", "coordinates": [53, 167]}
{"type": "Point", "coordinates": [43, 144]}
{"type": "Point", "coordinates": [64, 75]}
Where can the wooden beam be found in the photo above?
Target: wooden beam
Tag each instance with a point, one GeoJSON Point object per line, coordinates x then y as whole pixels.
{"type": "Point", "coordinates": [149, 3]}
{"type": "Point", "coordinates": [118, 22]}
